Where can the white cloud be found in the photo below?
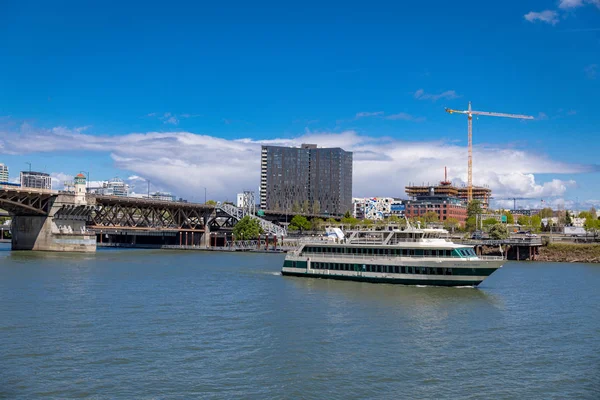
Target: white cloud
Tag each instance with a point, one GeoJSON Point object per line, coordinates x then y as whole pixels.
{"type": "Point", "coordinates": [405, 117]}
{"type": "Point", "coordinates": [548, 16]}
{"type": "Point", "coordinates": [570, 4]}
{"type": "Point", "coordinates": [448, 94]}
{"type": "Point", "coordinates": [172, 121]}
{"type": "Point", "coordinates": [368, 114]}
{"type": "Point", "coordinates": [184, 163]}
{"type": "Point", "coordinates": [565, 4]}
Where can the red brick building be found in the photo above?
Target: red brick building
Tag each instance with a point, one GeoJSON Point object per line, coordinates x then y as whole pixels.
{"type": "Point", "coordinates": [444, 207]}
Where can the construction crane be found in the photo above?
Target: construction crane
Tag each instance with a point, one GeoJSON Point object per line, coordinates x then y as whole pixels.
{"type": "Point", "coordinates": [470, 114]}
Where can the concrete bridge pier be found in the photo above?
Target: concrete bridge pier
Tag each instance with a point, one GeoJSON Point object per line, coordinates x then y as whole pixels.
{"type": "Point", "coordinates": [62, 229]}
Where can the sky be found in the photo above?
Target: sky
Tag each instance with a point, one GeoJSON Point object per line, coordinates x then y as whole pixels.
{"type": "Point", "coordinates": [183, 94]}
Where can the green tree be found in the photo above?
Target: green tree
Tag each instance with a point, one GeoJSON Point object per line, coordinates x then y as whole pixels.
{"type": "Point", "coordinates": [299, 222]}
{"type": "Point", "coordinates": [349, 221]}
{"type": "Point", "coordinates": [546, 213]}
{"type": "Point", "coordinates": [474, 208]}
{"type": "Point", "coordinates": [498, 232]}
{"type": "Point", "coordinates": [524, 220]}
{"type": "Point", "coordinates": [490, 221]}
{"type": "Point", "coordinates": [509, 217]}
{"type": "Point", "coordinates": [247, 229]}
{"type": "Point", "coordinates": [332, 221]}
{"type": "Point", "coordinates": [296, 207]}
{"type": "Point", "coordinates": [211, 203]}
{"type": "Point", "coordinates": [471, 224]}
{"type": "Point", "coordinates": [451, 224]}
{"type": "Point", "coordinates": [347, 215]}
{"type": "Point", "coordinates": [316, 224]}
{"type": "Point", "coordinates": [316, 208]}
{"type": "Point", "coordinates": [568, 220]}
{"type": "Point", "coordinates": [536, 222]}
{"type": "Point", "coordinates": [431, 216]}
{"type": "Point", "coordinates": [306, 207]}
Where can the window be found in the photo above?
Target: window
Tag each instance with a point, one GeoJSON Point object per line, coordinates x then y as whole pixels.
{"type": "Point", "coordinates": [403, 270]}
{"type": "Point", "coordinates": [379, 268]}
{"type": "Point", "coordinates": [396, 268]}
{"type": "Point", "coordinates": [439, 271]}
{"type": "Point", "coordinates": [410, 270]}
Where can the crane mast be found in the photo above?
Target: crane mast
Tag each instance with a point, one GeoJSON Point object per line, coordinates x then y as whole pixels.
{"type": "Point", "coordinates": [469, 112]}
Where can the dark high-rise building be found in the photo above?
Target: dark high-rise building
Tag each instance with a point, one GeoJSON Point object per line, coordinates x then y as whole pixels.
{"type": "Point", "coordinates": [308, 179]}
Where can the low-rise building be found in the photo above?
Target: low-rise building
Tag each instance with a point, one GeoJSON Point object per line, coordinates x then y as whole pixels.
{"type": "Point", "coordinates": [162, 196]}
{"type": "Point", "coordinates": [444, 206]}
{"type": "Point", "coordinates": [114, 187]}
{"type": "Point", "coordinates": [36, 180]}
{"type": "Point", "coordinates": [377, 208]}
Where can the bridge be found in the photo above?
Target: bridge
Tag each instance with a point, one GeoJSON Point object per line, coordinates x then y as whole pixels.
{"type": "Point", "coordinates": [59, 221]}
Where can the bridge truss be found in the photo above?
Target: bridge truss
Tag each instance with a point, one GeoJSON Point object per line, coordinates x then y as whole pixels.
{"type": "Point", "coordinates": [26, 202]}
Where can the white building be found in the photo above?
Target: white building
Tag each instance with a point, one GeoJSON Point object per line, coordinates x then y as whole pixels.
{"type": "Point", "coordinates": [377, 208]}
{"type": "Point", "coordinates": [240, 200]}
{"type": "Point", "coordinates": [3, 173]}
{"type": "Point", "coordinates": [114, 187]}
{"type": "Point", "coordinates": [163, 196]}
{"type": "Point", "coordinates": [36, 180]}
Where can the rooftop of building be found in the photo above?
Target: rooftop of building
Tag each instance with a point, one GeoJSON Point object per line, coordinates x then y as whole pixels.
{"type": "Point", "coordinates": [35, 173]}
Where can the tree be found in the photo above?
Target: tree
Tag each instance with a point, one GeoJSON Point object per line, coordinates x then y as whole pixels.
{"type": "Point", "coordinates": [299, 222]}
{"type": "Point", "coordinates": [498, 232]}
{"type": "Point", "coordinates": [490, 221]}
{"type": "Point", "coordinates": [471, 224]}
{"type": "Point", "coordinates": [593, 212]}
{"type": "Point", "coordinates": [305, 206]}
{"type": "Point", "coordinates": [524, 220]}
{"type": "Point", "coordinates": [316, 223]}
{"type": "Point", "coordinates": [296, 207]}
{"type": "Point", "coordinates": [451, 224]}
{"type": "Point", "coordinates": [332, 221]}
{"type": "Point", "coordinates": [536, 222]}
{"type": "Point", "coordinates": [568, 220]}
{"type": "Point", "coordinates": [474, 208]}
{"type": "Point", "coordinates": [247, 228]}
{"type": "Point", "coordinates": [510, 219]}
{"type": "Point", "coordinates": [546, 213]}
{"type": "Point", "coordinates": [431, 216]}
{"type": "Point", "coordinates": [349, 221]}
{"type": "Point", "coordinates": [316, 208]}
{"type": "Point", "coordinates": [211, 203]}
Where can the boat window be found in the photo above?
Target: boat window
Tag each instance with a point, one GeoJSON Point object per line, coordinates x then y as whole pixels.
{"type": "Point", "coordinates": [448, 253]}
{"type": "Point", "coordinates": [396, 269]}
{"type": "Point", "coordinates": [403, 270]}
{"type": "Point", "coordinates": [411, 252]}
{"type": "Point", "coordinates": [410, 270]}
{"type": "Point", "coordinates": [419, 252]}
{"type": "Point", "coordinates": [439, 271]}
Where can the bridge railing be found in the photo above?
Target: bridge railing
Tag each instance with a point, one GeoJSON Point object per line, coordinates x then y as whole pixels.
{"type": "Point", "coordinates": [239, 213]}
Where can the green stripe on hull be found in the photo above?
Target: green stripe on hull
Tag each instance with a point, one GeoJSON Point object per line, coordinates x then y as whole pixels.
{"type": "Point", "coordinates": [424, 282]}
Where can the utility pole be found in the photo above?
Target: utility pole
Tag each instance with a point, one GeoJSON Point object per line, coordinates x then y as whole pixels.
{"type": "Point", "coordinates": [204, 195]}
{"type": "Point", "coordinates": [148, 188]}
{"type": "Point", "coordinates": [27, 162]}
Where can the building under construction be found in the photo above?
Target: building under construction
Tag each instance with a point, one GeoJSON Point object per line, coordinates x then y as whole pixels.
{"type": "Point", "coordinates": [445, 188]}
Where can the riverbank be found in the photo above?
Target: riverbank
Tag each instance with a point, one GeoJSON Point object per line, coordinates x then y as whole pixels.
{"type": "Point", "coordinates": [570, 252]}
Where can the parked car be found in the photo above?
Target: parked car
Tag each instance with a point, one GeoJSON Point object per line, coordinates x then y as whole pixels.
{"type": "Point", "coordinates": [477, 235]}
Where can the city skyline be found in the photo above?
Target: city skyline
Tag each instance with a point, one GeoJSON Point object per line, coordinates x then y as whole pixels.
{"type": "Point", "coordinates": [187, 108]}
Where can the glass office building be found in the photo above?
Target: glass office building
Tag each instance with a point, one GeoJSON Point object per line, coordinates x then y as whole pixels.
{"type": "Point", "coordinates": [308, 179]}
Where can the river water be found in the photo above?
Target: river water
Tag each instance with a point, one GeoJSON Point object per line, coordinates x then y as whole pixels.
{"type": "Point", "coordinates": [167, 324]}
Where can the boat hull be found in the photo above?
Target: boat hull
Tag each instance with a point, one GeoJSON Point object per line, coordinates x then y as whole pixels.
{"type": "Point", "coordinates": [389, 280]}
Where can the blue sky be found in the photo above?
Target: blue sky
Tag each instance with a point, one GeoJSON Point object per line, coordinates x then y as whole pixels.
{"type": "Point", "coordinates": [275, 71]}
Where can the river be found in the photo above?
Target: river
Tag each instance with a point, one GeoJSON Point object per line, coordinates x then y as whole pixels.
{"type": "Point", "coordinates": [168, 324]}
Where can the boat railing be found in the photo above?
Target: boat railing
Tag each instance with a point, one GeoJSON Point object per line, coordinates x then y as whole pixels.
{"type": "Point", "coordinates": [394, 257]}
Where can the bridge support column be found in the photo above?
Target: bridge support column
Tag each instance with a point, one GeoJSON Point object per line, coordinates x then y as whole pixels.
{"type": "Point", "coordinates": [206, 236]}
{"type": "Point", "coordinates": [44, 233]}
